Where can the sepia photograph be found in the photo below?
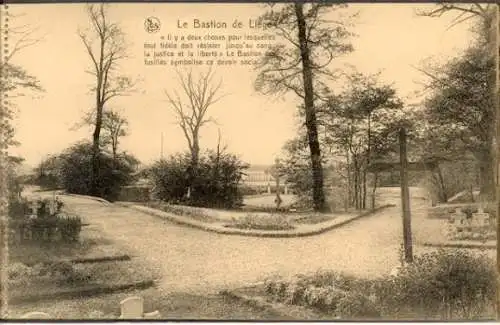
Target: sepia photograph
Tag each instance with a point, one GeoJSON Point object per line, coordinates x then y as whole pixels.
{"type": "Point", "coordinates": [294, 161]}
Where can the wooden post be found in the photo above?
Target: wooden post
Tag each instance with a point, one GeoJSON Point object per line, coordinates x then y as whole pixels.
{"type": "Point", "coordinates": [405, 197]}
{"type": "Point", "coordinates": [496, 49]}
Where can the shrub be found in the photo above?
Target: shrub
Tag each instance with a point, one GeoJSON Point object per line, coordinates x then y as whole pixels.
{"type": "Point", "coordinates": [69, 227]}
{"type": "Point", "coordinates": [194, 213]}
{"type": "Point", "coordinates": [294, 293]}
{"type": "Point", "coordinates": [19, 208]}
{"type": "Point", "coordinates": [74, 168]}
{"type": "Point", "coordinates": [356, 305]}
{"type": "Point", "coordinates": [60, 269]}
{"type": "Point", "coordinates": [316, 292]}
{"type": "Point", "coordinates": [440, 281]}
{"type": "Point", "coordinates": [441, 285]}
{"type": "Point", "coordinates": [214, 182]}
{"type": "Point", "coordinates": [263, 222]}
{"type": "Point", "coordinates": [18, 272]}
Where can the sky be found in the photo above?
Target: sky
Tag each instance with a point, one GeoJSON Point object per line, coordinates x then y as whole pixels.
{"type": "Point", "coordinates": [390, 38]}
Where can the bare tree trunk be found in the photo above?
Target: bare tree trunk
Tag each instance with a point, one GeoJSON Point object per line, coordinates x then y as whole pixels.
{"type": "Point", "coordinates": [487, 175]}
{"type": "Point", "coordinates": [368, 156]}
{"type": "Point", "coordinates": [356, 185]}
{"type": "Point", "coordinates": [363, 196]}
{"type": "Point", "coordinates": [311, 123]}
{"type": "Point", "coordinates": [195, 157]}
{"type": "Point", "coordinates": [443, 196]}
{"type": "Point", "coordinates": [349, 182]}
{"type": "Point", "coordinates": [94, 174]}
{"type": "Point", "coordinates": [114, 147]}
{"type": "Point", "coordinates": [375, 181]}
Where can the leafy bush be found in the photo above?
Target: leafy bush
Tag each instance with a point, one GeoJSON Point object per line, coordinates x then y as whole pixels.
{"type": "Point", "coordinates": [69, 227]}
{"type": "Point", "coordinates": [19, 208]}
{"type": "Point", "coordinates": [324, 299]}
{"type": "Point", "coordinates": [440, 285]}
{"type": "Point", "coordinates": [180, 210]}
{"type": "Point", "coordinates": [214, 183]}
{"type": "Point", "coordinates": [74, 168]}
{"type": "Point", "coordinates": [262, 222]}
{"type": "Point", "coordinates": [455, 281]}
{"type": "Point", "coordinates": [319, 291]}
{"type": "Point", "coordinates": [268, 209]}
{"type": "Point", "coordinates": [17, 272]}
{"type": "Point", "coordinates": [60, 269]}
{"type": "Point", "coordinates": [356, 305]}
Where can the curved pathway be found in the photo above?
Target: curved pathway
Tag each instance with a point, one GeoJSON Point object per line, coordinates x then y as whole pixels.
{"type": "Point", "coordinates": [195, 260]}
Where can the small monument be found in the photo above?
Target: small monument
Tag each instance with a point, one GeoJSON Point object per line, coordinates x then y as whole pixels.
{"type": "Point", "coordinates": [132, 308]}
{"type": "Point", "coordinates": [480, 218]}
{"type": "Point", "coordinates": [459, 219]}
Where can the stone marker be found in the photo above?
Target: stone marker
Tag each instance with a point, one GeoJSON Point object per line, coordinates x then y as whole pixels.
{"type": "Point", "coordinates": [458, 219]}
{"type": "Point", "coordinates": [132, 307]}
{"type": "Point", "coordinates": [152, 315]}
{"type": "Point", "coordinates": [480, 218]}
{"type": "Point", "coordinates": [36, 315]}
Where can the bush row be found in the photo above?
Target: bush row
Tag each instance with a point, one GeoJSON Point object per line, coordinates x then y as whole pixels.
{"type": "Point", "coordinates": [60, 272]}
{"type": "Point", "coordinates": [185, 211]}
{"type": "Point", "coordinates": [49, 224]}
{"type": "Point", "coordinates": [262, 222]}
{"type": "Point", "coordinates": [440, 285]}
{"type": "Point", "coordinates": [213, 182]}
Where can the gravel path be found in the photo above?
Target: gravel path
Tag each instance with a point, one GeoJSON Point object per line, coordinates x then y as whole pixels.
{"type": "Point", "coordinates": [192, 260]}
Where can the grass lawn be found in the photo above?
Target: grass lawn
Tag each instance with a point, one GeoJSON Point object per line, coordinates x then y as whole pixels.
{"type": "Point", "coordinates": [171, 306]}
{"type": "Point", "coordinates": [315, 218]}
{"type": "Point", "coordinates": [241, 219]}
{"type": "Point", "coordinates": [55, 282]}
{"type": "Point", "coordinates": [43, 271]}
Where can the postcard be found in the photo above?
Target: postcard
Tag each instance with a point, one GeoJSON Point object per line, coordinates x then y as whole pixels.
{"type": "Point", "coordinates": [249, 161]}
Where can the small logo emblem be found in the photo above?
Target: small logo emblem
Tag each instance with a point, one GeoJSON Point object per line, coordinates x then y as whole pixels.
{"type": "Point", "coordinates": [152, 24]}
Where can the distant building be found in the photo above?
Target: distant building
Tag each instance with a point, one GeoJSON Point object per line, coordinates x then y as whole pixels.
{"type": "Point", "coordinates": [259, 177]}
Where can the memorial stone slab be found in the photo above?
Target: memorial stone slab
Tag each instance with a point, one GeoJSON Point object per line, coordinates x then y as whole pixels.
{"type": "Point", "coordinates": [132, 307]}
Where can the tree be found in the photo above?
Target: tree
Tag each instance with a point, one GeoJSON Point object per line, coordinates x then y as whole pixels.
{"type": "Point", "coordinates": [360, 124]}
{"type": "Point", "coordinates": [14, 81]}
{"type": "Point", "coordinates": [301, 62]}
{"type": "Point", "coordinates": [199, 93]}
{"type": "Point", "coordinates": [115, 127]}
{"type": "Point", "coordinates": [296, 166]}
{"type": "Point", "coordinates": [487, 46]}
{"type": "Point", "coordinates": [460, 106]}
{"type": "Point", "coordinates": [47, 173]}
{"type": "Point", "coordinates": [106, 47]}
